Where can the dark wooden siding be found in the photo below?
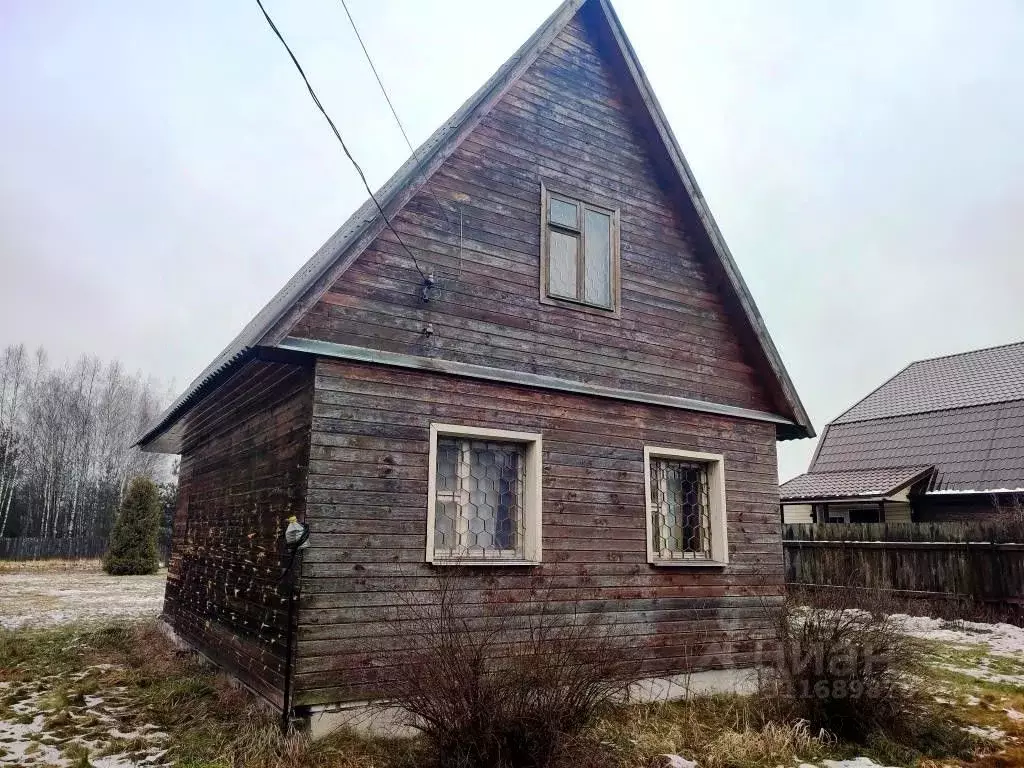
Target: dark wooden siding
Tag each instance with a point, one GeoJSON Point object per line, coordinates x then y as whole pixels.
{"type": "Point", "coordinates": [367, 503]}
{"type": "Point", "coordinates": [243, 470]}
{"type": "Point", "coordinates": [961, 509]}
{"type": "Point", "coordinates": [568, 123]}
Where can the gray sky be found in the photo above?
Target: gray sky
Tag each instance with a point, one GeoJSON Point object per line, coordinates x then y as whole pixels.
{"type": "Point", "coordinates": [162, 171]}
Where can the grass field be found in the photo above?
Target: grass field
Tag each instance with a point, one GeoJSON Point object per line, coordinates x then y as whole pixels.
{"type": "Point", "coordinates": [114, 692]}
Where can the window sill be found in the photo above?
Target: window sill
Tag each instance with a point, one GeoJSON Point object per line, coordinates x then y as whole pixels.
{"type": "Point", "coordinates": [581, 306]}
{"type": "Point", "coordinates": [478, 563]}
{"type": "Point", "coordinates": [688, 563]}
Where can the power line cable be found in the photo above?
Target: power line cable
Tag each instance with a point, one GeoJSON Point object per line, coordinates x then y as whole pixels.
{"type": "Point", "coordinates": [391, 105]}
{"type": "Point", "coordinates": [337, 135]}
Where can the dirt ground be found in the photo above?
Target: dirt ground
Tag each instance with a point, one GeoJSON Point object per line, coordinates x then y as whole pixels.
{"type": "Point", "coordinates": [49, 593]}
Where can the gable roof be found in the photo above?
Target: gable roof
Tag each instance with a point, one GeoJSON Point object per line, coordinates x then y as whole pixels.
{"type": "Point", "coordinates": [962, 413]}
{"type": "Point", "coordinates": [864, 483]}
{"type": "Point", "coordinates": [270, 326]}
{"type": "Point", "coordinates": [992, 375]}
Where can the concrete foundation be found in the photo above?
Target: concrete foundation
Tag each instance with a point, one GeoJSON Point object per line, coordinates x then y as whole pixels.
{"type": "Point", "coordinates": [380, 719]}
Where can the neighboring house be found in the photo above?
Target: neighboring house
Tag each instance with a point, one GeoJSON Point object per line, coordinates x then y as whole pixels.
{"type": "Point", "coordinates": [580, 394]}
{"type": "Point", "coordinates": [943, 440]}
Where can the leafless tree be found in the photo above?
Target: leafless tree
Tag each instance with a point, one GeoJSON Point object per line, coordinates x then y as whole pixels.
{"type": "Point", "coordinates": [66, 443]}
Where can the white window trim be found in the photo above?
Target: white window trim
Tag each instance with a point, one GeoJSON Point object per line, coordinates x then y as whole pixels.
{"type": "Point", "coordinates": [716, 497]}
{"type": "Point", "coordinates": [532, 498]}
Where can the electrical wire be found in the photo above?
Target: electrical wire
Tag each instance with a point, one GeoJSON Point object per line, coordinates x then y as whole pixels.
{"type": "Point", "coordinates": [391, 105]}
{"type": "Point", "coordinates": [337, 135]}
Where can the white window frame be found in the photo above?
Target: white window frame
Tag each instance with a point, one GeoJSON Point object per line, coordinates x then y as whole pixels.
{"type": "Point", "coordinates": [716, 497]}
{"type": "Point", "coordinates": [532, 500]}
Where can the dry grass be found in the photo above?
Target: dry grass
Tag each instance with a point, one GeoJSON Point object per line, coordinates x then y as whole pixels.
{"type": "Point", "coordinates": [510, 693]}
{"type": "Point", "coordinates": [54, 565]}
{"type": "Point", "coordinates": [716, 731]}
{"type": "Point", "coordinates": [215, 724]}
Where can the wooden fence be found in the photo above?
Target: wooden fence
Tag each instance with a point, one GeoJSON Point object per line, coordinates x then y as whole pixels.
{"type": "Point", "coordinates": [33, 548]}
{"type": "Point", "coordinates": [77, 548]}
{"type": "Point", "coordinates": [977, 561]}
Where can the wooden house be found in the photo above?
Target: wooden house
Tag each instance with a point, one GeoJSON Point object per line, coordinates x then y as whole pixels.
{"type": "Point", "coordinates": [941, 441]}
{"type": "Point", "coordinates": [550, 369]}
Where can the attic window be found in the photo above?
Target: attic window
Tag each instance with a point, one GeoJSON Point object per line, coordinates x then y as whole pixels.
{"type": "Point", "coordinates": [579, 252]}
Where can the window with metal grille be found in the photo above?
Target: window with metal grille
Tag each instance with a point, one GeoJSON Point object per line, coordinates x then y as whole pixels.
{"type": "Point", "coordinates": [685, 507]}
{"type": "Point", "coordinates": [485, 496]}
{"type": "Point", "coordinates": [579, 252]}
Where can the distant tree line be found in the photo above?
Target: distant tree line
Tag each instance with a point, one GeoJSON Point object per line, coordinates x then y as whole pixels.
{"type": "Point", "coordinates": [67, 439]}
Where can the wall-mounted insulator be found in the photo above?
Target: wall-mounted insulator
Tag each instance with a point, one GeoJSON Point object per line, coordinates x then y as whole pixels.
{"type": "Point", "coordinates": [428, 286]}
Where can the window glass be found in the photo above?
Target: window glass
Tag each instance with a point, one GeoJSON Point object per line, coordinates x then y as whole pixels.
{"type": "Point", "coordinates": [681, 509]}
{"type": "Point", "coordinates": [597, 236]}
{"type": "Point", "coordinates": [482, 515]}
{"type": "Point", "coordinates": [563, 213]}
{"type": "Point", "coordinates": [579, 252]}
{"type": "Point", "coordinates": [562, 263]}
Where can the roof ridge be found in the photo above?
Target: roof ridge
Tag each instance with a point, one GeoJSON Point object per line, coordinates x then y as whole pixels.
{"type": "Point", "coordinates": [927, 410]}
{"type": "Point", "coordinates": [967, 352]}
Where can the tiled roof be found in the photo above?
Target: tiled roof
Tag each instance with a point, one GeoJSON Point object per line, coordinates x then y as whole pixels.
{"type": "Point", "coordinates": [984, 376]}
{"type": "Point", "coordinates": [980, 448]}
{"type": "Point", "coordinates": [850, 484]}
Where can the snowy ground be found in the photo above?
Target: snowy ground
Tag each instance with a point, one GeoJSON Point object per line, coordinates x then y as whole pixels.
{"type": "Point", "coordinates": [1001, 639]}
{"type": "Point", "coordinates": [992, 653]}
{"type": "Point", "coordinates": [36, 595]}
{"type": "Point", "coordinates": [62, 721]}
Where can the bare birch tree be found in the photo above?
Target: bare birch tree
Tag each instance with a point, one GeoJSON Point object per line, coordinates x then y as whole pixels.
{"type": "Point", "coordinates": [66, 443]}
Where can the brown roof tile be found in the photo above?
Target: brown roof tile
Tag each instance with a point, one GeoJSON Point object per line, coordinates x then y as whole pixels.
{"type": "Point", "coordinates": [850, 484]}
{"type": "Point", "coordinates": [983, 376]}
{"type": "Point", "coordinates": [973, 449]}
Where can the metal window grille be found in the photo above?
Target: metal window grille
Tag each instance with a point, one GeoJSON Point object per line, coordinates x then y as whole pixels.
{"type": "Point", "coordinates": [680, 509]}
{"type": "Point", "coordinates": [478, 511]}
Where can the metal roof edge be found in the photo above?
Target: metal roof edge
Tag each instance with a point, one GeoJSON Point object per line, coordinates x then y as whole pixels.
{"type": "Point", "coordinates": [522, 378]}
{"type": "Point", "coordinates": [928, 411]}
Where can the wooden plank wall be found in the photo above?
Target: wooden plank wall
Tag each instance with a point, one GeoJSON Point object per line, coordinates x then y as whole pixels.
{"type": "Point", "coordinates": [566, 122]}
{"type": "Point", "coordinates": [367, 504]}
{"type": "Point", "coordinates": [243, 471]}
{"type": "Point", "coordinates": [967, 508]}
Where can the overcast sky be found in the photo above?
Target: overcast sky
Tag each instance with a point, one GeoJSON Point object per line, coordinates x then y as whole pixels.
{"type": "Point", "coordinates": [163, 173]}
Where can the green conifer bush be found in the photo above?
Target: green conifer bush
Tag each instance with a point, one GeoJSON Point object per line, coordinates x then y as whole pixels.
{"type": "Point", "coordinates": [133, 542]}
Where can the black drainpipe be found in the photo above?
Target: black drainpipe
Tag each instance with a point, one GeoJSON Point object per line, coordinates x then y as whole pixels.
{"type": "Point", "coordinates": [291, 574]}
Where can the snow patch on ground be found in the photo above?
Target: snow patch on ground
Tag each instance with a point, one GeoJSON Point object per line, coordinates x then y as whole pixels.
{"type": "Point", "coordinates": [1001, 639]}
{"type": "Point", "coordinates": [46, 723]}
{"type": "Point", "coordinates": [990, 733]}
{"type": "Point", "coordinates": [856, 762]}
{"type": "Point", "coordinates": [45, 598]}
{"type": "Point", "coordinates": [987, 675]}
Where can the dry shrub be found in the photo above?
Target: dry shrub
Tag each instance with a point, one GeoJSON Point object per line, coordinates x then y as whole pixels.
{"type": "Point", "coordinates": [508, 690]}
{"type": "Point", "coordinates": [844, 669]}
{"type": "Point", "coordinates": [846, 666]}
